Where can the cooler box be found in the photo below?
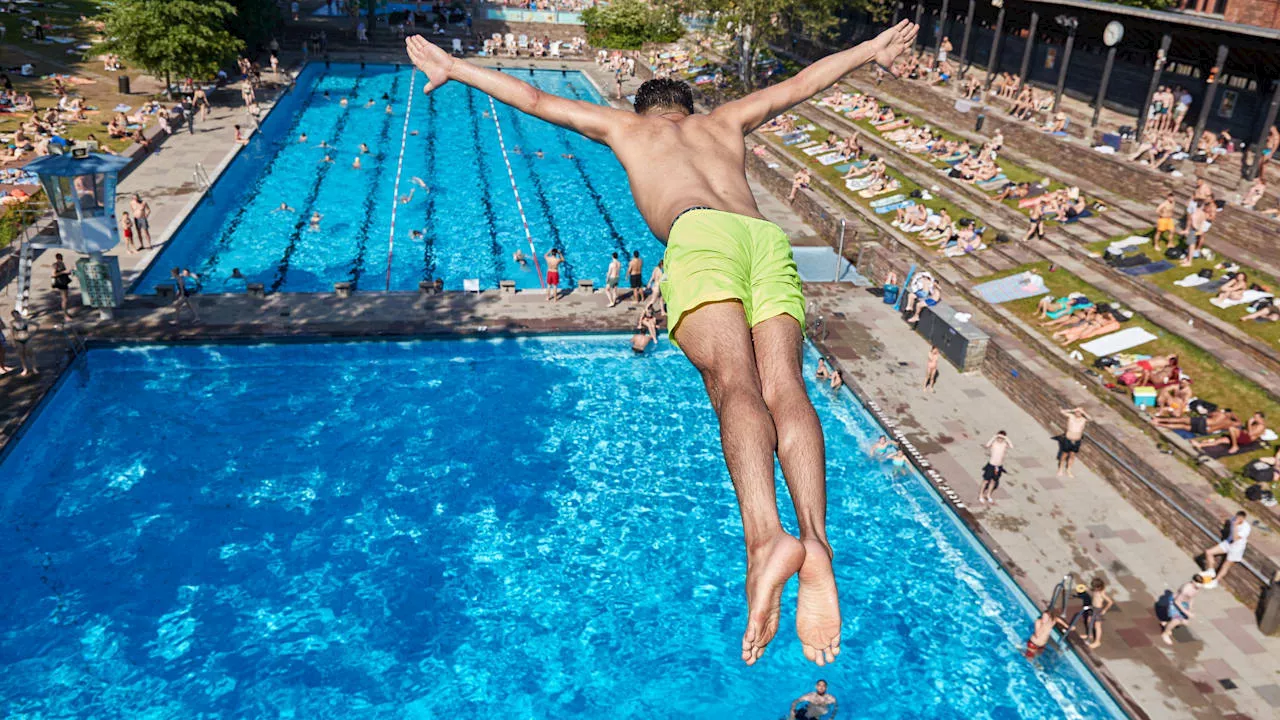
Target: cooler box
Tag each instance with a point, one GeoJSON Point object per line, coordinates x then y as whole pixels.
{"type": "Point", "coordinates": [890, 294]}
{"type": "Point", "coordinates": [1144, 396]}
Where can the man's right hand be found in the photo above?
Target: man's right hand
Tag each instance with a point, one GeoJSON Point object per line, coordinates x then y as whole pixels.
{"type": "Point", "coordinates": [434, 62]}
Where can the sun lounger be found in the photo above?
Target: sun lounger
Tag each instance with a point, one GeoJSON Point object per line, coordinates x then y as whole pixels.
{"type": "Point", "coordinates": [1014, 287]}
{"type": "Point", "coordinates": [1249, 297]}
{"type": "Point", "coordinates": [1118, 341]}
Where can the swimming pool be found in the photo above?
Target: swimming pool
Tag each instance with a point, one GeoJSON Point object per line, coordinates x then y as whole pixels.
{"type": "Point", "coordinates": [469, 220]}
{"type": "Point", "coordinates": [531, 528]}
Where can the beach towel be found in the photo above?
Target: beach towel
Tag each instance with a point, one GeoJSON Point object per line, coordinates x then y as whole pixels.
{"type": "Point", "coordinates": [957, 250]}
{"type": "Point", "coordinates": [872, 192]}
{"type": "Point", "coordinates": [894, 207]}
{"type": "Point", "coordinates": [849, 166]}
{"type": "Point", "coordinates": [1191, 281]}
{"type": "Point", "coordinates": [1084, 214]}
{"type": "Point", "coordinates": [1055, 314]}
{"type": "Point", "coordinates": [831, 158]}
{"type": "Point", "coordinates": [888, 201]}
{"type": "Point", "coordinates": [1118, 341]}
{"type": "Point", "coordinates": [858, 183]}
{"type": "Point", "coordinates": [994, 183]}
{"type": "Point", "coordinates": [1148, 269]}
{"type": "Point", "coordinates": [1249, 297]}
{"type": "Point", "coordinates": [814, 150]}
{"type": "Point", "coordinates": [1131, 241]}
{"type": "Point", "coordinates": [797, 139]}
{"type": "Point", "coordinates": [1014, 287]}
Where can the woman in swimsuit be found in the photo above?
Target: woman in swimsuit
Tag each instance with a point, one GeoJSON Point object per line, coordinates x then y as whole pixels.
{"type": "Point", "coordinates": [62, 284]}
{"type": "Point", "coordinates": [22, 329]}
{"type": "Point", "coordinates": [1037, 224]}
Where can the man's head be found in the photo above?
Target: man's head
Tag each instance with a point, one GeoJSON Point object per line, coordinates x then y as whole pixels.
{"type": "Point", "coordinates": [1240, 516]}
{"type": "Point", "coordinates": [821, 687]}
{"type": "Point", "coordinates": [664, 95]}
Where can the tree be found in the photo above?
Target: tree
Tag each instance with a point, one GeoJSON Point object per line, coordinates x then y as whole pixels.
{"type": "Point", "coordinates": [757, 23]}
{"type": "Point", "coordinates": [628, 24]}
{"type": "Point", "coordinates": [187, 38]}
{"type": "Point", "coordinates": [254, 22]}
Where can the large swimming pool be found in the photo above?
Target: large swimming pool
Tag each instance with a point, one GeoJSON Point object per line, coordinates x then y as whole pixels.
{"type": "Point", "coordinates": [536, 528]}
{"type": "Point", "coordinates": [469, 222]}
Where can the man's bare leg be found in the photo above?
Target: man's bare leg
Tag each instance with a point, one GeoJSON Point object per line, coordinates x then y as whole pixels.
{"type": "Point", "coordinates": [801, 450]}
{"type": "Point", "coordinates": [717, 341]}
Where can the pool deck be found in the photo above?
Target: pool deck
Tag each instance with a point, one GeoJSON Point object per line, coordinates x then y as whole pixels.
{"type": "Point", "coordinates": [1041, 527]}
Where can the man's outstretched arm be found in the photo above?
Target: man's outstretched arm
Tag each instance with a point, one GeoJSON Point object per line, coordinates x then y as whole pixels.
{"type": "Point", "coordinates": [590, 120]}
{"type": "Point", "coordinates": [759, 107]}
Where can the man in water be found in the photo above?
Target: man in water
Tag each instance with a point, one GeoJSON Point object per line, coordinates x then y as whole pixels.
{"type": "Point", "coordinates": [1069, 441]}
{"type": "Point", "coordinates": [998, 445]}
{"type": "Point", "coordinates": [1040, 636]}
{"type": "Point", "coordinates": [733, 300]}
{"type": "Point", "coordinates": [816, 704]}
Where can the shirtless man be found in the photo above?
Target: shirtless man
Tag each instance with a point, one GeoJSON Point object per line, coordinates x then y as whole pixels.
{"type": "Point", "coordinates": [1069, 442]}
{"type": "Point", "coordinates": [554, 258]}
{"type": "Point", "coordinates": [1237, 437]}
{"type": "Point", "coordinates": [733, 298]}
{"type": "Point", "coordinates": [141, 212]}
{"type": "Point", "coordinates": [998, 445]}
{"type": "Point", "coordinates": [931, 370]}
{"type": "Point", "coordinates": [1164, 223]}
{"type": "Point", "coordinates": [635, 270]}
{"type": "Point", "coordinates": [798, 183]}
{"type": "Point", "coordinates": [611, 280]}
{"type": "Point", "coordinates": [817, 704]}
{"type": "Point", "coordinates": [1040, 636]}
{"type": "Point", "coordinates": [1216, 421]}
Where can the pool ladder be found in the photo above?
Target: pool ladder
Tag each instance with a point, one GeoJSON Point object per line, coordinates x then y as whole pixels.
{"type": "Point", "coordinates": [201, 177]}
{"type": "Point", "coordinates": [77, 353]}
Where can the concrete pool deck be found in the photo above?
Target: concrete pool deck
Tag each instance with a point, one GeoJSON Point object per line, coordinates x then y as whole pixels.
{"type": "Point", "coordinates": [1042, 526]}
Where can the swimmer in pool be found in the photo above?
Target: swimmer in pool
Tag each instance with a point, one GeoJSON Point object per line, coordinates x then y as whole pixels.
{"type": "Point", "coordinates": [519, 258]}
{"type": "Point", "coordinates": [567, 156]}
{"type": "Point", "coordinates": [734, 302]}
{"type": "Point", "coordinates": [315, 220]}
{"type": "Point", "coordinates": [327, 158]}
{"type": "Point", "coordinates": [371, 103]}
{"type": "Point", "coordinates": [343, 102]}
{"type": "Point", "coordinates": [420, 183]}
{"type": "Point", "coordinates": [302, 138]}
{"type": "Point", "coordinates": [415, 234]}
{"type": "Point", "coordinates": [881, 448]}
{"type": "Point", "coordinates": [364, 149]}
{"type": "Point", "coordinates": [388, 109]}
{"type": "Point", "coordinates": [406, 199]}
{"type": "Point", "coordinates": [538, 154]}
{"type": "Point", "coordinates": [816, 704]}
{"type": "Point", "coordinates": [283, 208]}
{"type": "Point", "coordinates": [822, 373]}
{"type": "Point", "coordinates": [355, 164]}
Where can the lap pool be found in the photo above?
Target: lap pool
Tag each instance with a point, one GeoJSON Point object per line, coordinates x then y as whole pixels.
{"type": "Point", "coordinates": [469, 223]}
{"type": "Point", "coordinates": [522, 528]}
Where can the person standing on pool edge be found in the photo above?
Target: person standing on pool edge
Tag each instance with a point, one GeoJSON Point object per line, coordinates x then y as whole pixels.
{"type": "Point", "coordinates": [733, 300]}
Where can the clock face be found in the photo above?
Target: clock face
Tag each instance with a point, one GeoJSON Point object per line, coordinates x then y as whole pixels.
{"type": "Point", "coordinates": [1113, 33]}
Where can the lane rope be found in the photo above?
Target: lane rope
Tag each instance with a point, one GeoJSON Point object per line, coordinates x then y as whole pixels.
{"type": "Point", "coordinates": [533, 252]}
{"type": "Point", "coordinates": [395, 195]}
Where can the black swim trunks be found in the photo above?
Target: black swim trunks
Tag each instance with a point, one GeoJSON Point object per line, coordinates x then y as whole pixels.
{"type": "Point", "coordinates": [992, 473]}
{"type": "Point", "coordinates": [1066, 446]}
{"type": "Point", "coordinates": [1200, 425]}
{"type": "Point", "coordinates": [636, 281]}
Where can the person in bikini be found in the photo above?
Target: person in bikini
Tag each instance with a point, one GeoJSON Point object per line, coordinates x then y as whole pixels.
{"type": "Point", "coordinates": [734, 301]}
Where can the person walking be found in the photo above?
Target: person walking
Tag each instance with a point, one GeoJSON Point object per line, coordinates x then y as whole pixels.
{"type": "Point", "coordinates": [1069, 441]}
{"type": "Point", "coordinates": [62, 284]}
{"type": "Point", "coordinates": [182, 294]}
{"type": "Point", "coordinates": [1232, 546]}
{"type": "Point", "coordinates": [611, 280]}
{"type": "Point", "coordinates": [1174, 609]}
{"type": "Point", "coordinates": [998, 445]}
{"type": "Point", "coordinates": [22, 331]}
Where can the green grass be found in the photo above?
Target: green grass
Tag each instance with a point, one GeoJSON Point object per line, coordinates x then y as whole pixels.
{"type": "Point", "coordinates": [829, 173]}
{"type": "Point", "coordinates": [1267, 332]}
{"type": "Point", "coordinates": [1211, 381]}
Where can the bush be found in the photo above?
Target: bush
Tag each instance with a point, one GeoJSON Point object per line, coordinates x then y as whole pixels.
{"type": "Point", "coordinates": [629, 24]}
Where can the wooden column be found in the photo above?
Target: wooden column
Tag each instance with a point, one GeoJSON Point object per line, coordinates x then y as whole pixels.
{"type": "Point", "coordinates": [964, 42]}
{"type": "Point", "coordinates": [1102, 86]}
{"type": "Point", "coordinates": [1156, 74]}
{"type": "Point", "coordinates": [1267, 122]}
{"type": "Point", "coordinates": [993, 60]}
{"type": "Point", "coordinates": [1062, 71]}
{"type": "Point", "coordinates": [1026, 49]}
{"type": "Point", "coordinates": [1210, 94]}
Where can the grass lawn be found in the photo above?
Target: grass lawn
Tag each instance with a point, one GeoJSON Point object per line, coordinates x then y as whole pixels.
{"type": "Point", "coordinates": [1268, 332]}
{"type": "Point", "coordinates": [51, 57]}
{"type": "Point", "coordinates": [1212, 382]}
{"type": "Point", "coordinates": [829, 173]}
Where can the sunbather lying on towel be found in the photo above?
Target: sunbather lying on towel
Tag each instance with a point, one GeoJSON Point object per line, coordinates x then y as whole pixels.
{"type": "Point", "coordinates": [967, 240]}
{"type": "Point", "coordinates": [875, 168]}
{"type": "Point", "coordinates": [1269, 313]}
{"type": "Point", "coordinates": [1215, 421]}
{"type": "Point", "coordinates": [1157, 371]}
{"type": "Point", "coordinates": [1237, 438]}
{"type": "Point", "coordinates": [781, 124]}
{"type": "Point", "coordinates": [936, 226]}
{"type": "Point", "coordinates": [1173, 400]}
{"type": "Point", "coordinates": [1093, 324]}
{"type": "Point", "coordinates": [1059, 311]}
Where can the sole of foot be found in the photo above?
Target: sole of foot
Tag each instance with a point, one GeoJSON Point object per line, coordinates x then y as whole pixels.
{"type": "Point", "coordinates": [818, 605]}
{"type": "Point", "coordinates": [768, 570]}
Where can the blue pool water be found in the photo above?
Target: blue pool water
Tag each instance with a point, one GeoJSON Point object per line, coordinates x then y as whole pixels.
{"type": "Point", "coordinates": [537, 528]}
{"type": "Point", "coordinates": [469, 220]}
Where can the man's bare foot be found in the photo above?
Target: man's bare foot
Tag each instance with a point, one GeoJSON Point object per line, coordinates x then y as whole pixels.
{"type": "Point", "coordinates": [768, 570]}
{"type": "Point", "coordinates": [818, 605]}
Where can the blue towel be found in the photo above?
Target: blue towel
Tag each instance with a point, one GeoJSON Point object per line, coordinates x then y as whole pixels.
{"type": "Point", "coordinates": [1148, 269]}
{"type": "Point", "coordinates": [1185, 434]}
{"type": "Point", "coordinates": [894, 207]}
{"type": "Point", "coordinates": [1081, 216]}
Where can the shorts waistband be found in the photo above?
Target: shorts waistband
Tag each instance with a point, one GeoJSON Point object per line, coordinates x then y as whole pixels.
{"type": "Point", "coordinates": [687, 210]}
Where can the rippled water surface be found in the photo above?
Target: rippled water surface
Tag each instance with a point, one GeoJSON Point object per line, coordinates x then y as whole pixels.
{"type": "Point", "coordinates": [536, 528]}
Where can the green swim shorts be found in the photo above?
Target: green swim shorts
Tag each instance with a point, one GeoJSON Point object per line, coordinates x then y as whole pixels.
{"type": "Point", "coordinates": [714, 255]}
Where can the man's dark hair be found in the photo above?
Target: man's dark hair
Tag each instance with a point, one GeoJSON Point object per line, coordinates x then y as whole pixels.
{"type": "Point", "coordinates": [664, 92]}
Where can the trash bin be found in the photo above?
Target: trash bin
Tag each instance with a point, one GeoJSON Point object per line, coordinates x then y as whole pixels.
{"type": "Point", "coordinates": [977, 123]}
{"type": "Point", "coordinates": [1269, 608]}
{"type": "Point", "coordinates": [122, 84]}
{"type": "Point", "coordinates": [890, 294]}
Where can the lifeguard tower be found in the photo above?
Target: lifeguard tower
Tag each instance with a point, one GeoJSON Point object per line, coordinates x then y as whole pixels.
{"type": "Point", "coordinates": [81, 187]}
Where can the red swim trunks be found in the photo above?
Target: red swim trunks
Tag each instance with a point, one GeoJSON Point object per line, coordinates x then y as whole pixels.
{"type": "Point", "coordinates": [1033, 650]}
{"type": "Point", "coordinates": [553, 277]}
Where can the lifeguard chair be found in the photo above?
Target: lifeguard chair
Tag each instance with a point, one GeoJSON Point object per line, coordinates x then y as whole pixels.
{"type": "Point", "coordinates": [81, 187]}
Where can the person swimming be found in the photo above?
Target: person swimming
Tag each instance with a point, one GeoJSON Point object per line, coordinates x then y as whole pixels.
{"type": "Point", "coordinates": [881, 448]}
{"type": "Point", "coordinates": [364, 149]}
{"type": "Point", "coordinates": [813, 705]}
{"type": "Point", "coordinates": [284, 207]}
{"type": "Point", "coordinates": [302, 138]}
{"type": "Point", "coordinates": [355, 164]}
{"type": "Point", "coordinates": [315, 220]}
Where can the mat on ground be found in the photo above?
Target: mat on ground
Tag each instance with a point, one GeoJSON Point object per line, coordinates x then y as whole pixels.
{"type": "Point", "coordinates": [1118, 341]}
{"type": "Point", "coordinates": [1015, 287]}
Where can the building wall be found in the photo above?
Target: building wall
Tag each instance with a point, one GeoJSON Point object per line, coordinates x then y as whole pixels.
{"type": "Point", "coordinates": [1263, 13]}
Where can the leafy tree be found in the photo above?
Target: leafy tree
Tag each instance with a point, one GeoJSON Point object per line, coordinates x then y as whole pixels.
{"type": "Point", "coordinates": [187, 38]}
{"type": "Point", "coordinates": [757, 23]}
{"type": "Point", "coordinates": [254, 22]}
{"type": "Point", "coordinates": [628, 24]}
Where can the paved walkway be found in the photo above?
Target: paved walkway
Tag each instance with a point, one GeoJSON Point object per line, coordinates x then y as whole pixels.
{"type": "Point", "coordinates": [1049, 526]}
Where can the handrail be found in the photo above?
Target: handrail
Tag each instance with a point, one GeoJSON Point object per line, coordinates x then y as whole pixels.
{"type": "Point", "coordinates": [1211, 534]}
